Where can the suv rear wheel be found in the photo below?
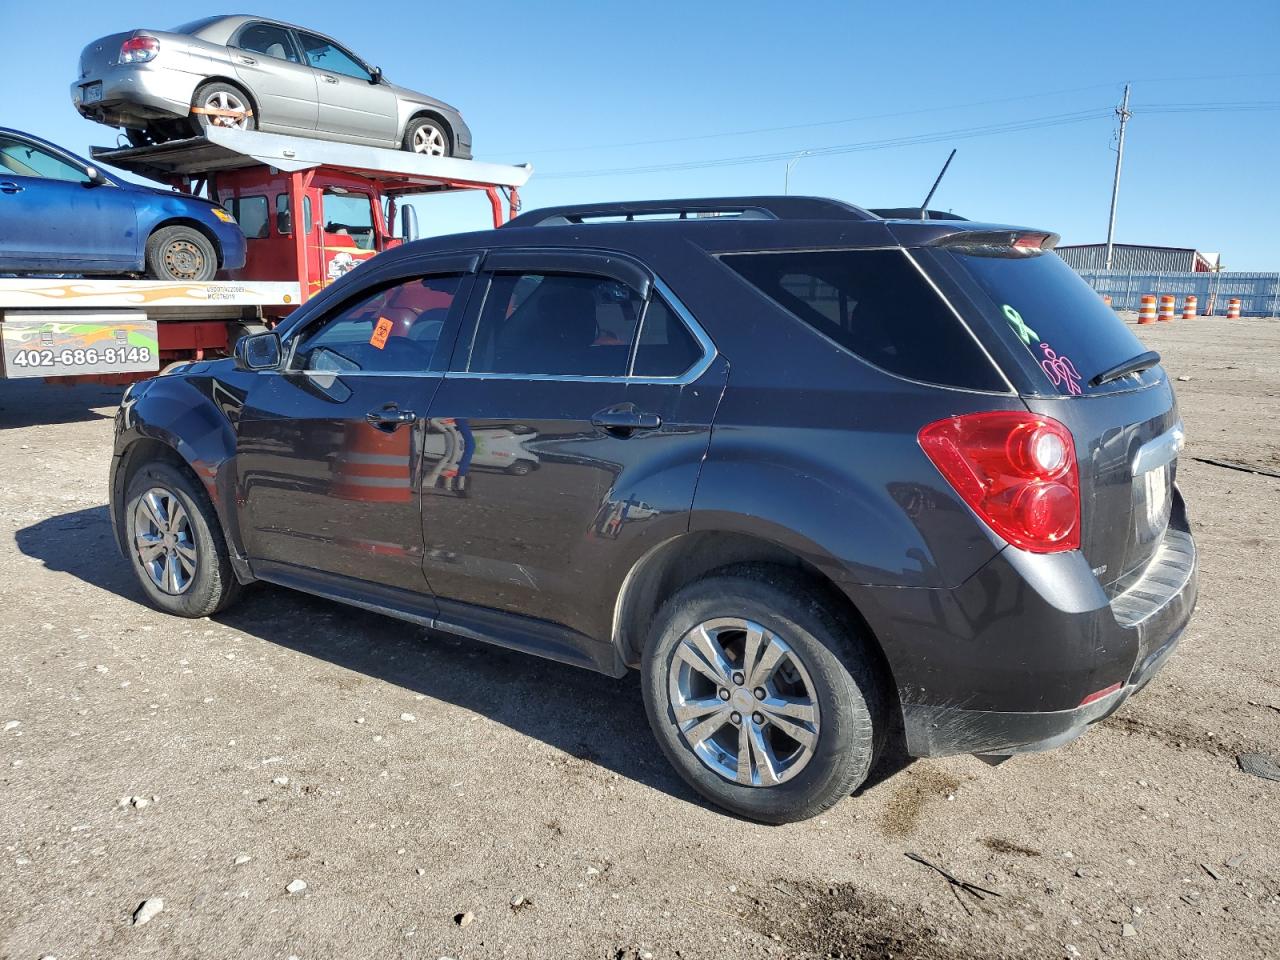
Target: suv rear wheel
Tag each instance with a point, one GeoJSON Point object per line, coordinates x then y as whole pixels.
{"type": "Point", "coordinates": [765, 701]}
{"type": "Point", "coordinates": [175, 543]}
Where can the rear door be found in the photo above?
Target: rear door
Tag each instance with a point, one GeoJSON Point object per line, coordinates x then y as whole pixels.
{"type": "Point", "coordinates": [1066, 352]}
{"type": "Point", "coordinates": [329, 450]}
{"type": "Point", "coordinates": [53, 216]}
{"type": "Point", "coordinates": [268, 61]}
{"type": "Point", "coordinates": [552, 440]}
{"type": "Point", "coordinates": [352, 105]}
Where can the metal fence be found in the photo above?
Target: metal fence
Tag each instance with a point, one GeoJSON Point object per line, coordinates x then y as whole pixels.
{"type": "Point", "coordinates": [1259, 293]}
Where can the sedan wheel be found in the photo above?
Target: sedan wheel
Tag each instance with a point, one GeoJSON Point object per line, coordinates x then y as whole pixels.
{"type": "Point", "coordinates": [743, 702]}
{"type": "Point", "coordinates": [227, 100]}
{"type": "Point", "coordinates": [429, 141]}
{"type": "Point", "coordinates": [164, 541]}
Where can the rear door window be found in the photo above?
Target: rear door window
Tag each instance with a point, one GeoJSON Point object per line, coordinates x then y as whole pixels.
{"type": "Point", "coordinates": [250, 213]}
{"type": "Point", "coordinates": [877, 305]}
{"type": "Point", "coordinates": [1054, 319]}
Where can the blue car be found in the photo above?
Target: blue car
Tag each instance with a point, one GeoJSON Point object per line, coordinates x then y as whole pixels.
{"type": "Point", "coordinates": [61, 214]}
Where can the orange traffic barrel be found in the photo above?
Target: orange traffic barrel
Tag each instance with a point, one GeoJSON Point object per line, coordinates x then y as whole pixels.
{"type": "Point", "coordinates": [1147, 312]}
{"type": "Point", "coordinates": [1106, 299]}
{"type": "Point", "coordinates": [1233, 308]}
{"type": "Point", "coordinates": [1166, 307]}
{"type": "Point", "coordinates": [374, 465]}
{"type": "Point", "coordinates": [1189, 308]}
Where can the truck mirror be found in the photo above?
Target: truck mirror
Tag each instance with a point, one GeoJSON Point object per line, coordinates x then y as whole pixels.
{"type": "Point", "coordinates": [408, 223]}
{"type": "Point", "coordinates": [261, 351]}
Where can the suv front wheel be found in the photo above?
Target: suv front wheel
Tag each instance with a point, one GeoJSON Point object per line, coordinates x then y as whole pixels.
{"type": "Point", "coordinates": [766, 702]}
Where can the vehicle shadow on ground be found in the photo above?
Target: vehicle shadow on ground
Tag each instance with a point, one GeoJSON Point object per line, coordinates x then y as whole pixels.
{"type": "Point", "coordinates": [596, 719]}
{"type": "Point", "coordinates": [28, 403]}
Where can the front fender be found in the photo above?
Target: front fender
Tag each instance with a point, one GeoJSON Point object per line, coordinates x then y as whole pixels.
{"type": "Point", "coordinates": [188, 415]}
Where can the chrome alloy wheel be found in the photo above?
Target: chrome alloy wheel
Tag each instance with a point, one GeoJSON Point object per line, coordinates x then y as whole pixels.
{"type": "Point", "coordinates": [743, 702]}
{"type": "Point", "coordinates": [226, 100]}
{"type": "Point", "coordinates": [163, 540]}
{"type": "Point", "coordinates": [428, 141]}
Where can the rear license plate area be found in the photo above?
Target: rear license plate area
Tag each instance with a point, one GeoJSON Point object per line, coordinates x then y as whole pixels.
{"type": "Point", "coordinates": [92, 92]}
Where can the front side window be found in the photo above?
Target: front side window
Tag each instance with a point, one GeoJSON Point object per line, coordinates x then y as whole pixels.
{"type": "Point", "coordinates": [394, 330]}
{"type": "Point", "coordinates": [326, 55]}
{"type": "Point", "coordinates": [27, 160]}
{"type": "Point", "coordinates": [250, 213]}
{"type": "Point", "coordinates": [555, 325]}
{"type": "Point", "coordinates": [875, 304]}
{"type": "Point", "coordinates": [268, 40]}
{"type": "Point", "coordinates": [349, 215]}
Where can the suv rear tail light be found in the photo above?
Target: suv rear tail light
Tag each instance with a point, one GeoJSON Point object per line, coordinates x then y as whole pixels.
{"type": "Point", "coordinates": [1016, 470]}
{"type": "Point", "coordinates": [138, 50]}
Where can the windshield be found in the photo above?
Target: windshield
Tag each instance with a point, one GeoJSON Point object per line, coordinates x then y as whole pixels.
{"type": "Point", "coordinates": [1058, 320]}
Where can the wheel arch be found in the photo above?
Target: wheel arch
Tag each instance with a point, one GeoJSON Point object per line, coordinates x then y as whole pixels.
{"type": "Point", "coordinates": [683, 559]}
{"type": "Point", "coordinates": [430, 114]}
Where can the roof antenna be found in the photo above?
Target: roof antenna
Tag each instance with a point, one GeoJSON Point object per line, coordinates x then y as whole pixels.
{"type": "Point", "coordinates": [924, 207]}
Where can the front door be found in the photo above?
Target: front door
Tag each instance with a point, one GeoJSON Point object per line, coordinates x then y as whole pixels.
{"type": "Point", "coordinates": [329, 449]}
{"type": "Point", "coordinates": [352, 104]}
{"type": "Point", "coordinates": [542, 451]}
{"type": "Point", "coordinates": [53, 216]}
{"type": "Point", "coordinates": [267, 59]}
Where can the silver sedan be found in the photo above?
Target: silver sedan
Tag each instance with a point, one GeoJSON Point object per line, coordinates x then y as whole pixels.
{"type": "Point", "coordinates": [254, 73]}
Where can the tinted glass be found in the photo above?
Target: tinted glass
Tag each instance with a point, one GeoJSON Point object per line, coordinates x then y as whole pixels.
{"type": "Point", "coordinates": [395, 330]}
{"type": "Point", "coordinates": [666, 347]}
{"type": "Point", "coordinates": [250, 213]}
{"type": "Point", "coordinates": [269, 40]}
{"type": "Point", "coordinates": [326, 55]}
{"type": "Point", "coordinates": [874, 303]}
{"type": "Point", "coordinates": [1041, 304]}
{"type": "Point", "coordinates": [555, 324]}
{"type": "Point", "coordinates": [26, 160]}
{"type": "Point", "coordinates": [351, 215]}
{"type": "Point", "coordinates": [284, 221]}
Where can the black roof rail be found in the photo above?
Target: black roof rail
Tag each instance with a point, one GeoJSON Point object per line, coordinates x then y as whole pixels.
{"type": "Point", "coordinates": [913, 213]}
{"type": "Point", "coordinates": [738, 208]}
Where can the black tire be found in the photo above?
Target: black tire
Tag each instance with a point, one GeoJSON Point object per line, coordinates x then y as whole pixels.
{"type": "Point", "coordinates": [434, 128]}
{"type": "Point", "coordinates": [842, 666]}
{"type": "Point", "coordinates": [213, 585]}
{"type": "Point", "coordinates": [182, 254]}
{"type": "Point", "coordinates": [224, 95]}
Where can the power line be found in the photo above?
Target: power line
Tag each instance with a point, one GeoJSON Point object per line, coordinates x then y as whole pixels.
{"type": "Point", "coordinates": [962, 133]}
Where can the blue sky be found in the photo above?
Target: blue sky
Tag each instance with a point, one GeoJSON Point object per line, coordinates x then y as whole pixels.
{"type": "Point", "coordinates": [564, 85]}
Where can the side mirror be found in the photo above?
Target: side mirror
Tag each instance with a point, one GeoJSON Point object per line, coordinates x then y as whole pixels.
{"type": "Point", "coordinates": [375, 74]}
{"type": "Point", "coordinates": [408, 223]}
{"type": "Point", "coordinates": [260, 351]}
{"type": "Point", "coordinates": [95, 176]}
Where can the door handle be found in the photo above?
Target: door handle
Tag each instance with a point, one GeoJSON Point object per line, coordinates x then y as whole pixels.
{"type": "Point", "coordinates": [624, 420]}
{"type": "Point", "coordinates": [8, 186]}
{"type": "Point", "coordinates": [328, 79]}
{"type": "Point", "coordinates": [390, 417]}
{"type": "Point", "coordinates": [249, 60]}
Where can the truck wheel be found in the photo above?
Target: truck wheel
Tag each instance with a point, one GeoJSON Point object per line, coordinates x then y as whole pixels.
{"type": "Point", "coordinates": [765, 701]}
{"type": "Point", "coordinates": [175, 543]}
{"type": "Point", "coordinates": [520, 468]}
{"type": "Point", "coordinates": [427, 137]}
{"type": "Point", "coordinates": [180, 253]}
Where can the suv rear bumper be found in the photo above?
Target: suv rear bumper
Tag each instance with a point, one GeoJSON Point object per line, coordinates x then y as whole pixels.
{"type": "Point", "coordinates": [1028, 654]}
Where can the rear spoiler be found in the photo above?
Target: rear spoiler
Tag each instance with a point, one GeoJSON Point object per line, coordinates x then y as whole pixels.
{"type": "Point", "coordinates": [1003, 242]}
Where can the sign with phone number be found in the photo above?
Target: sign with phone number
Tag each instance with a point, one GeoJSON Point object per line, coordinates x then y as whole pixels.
{"type": "Point", "coordinates": [46, 344]}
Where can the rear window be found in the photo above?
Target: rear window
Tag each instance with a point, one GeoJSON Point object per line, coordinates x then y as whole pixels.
{"type": "Point", "coordinates": [877, 305]}
{"type": "Point", "coordinates": [1044, 306]}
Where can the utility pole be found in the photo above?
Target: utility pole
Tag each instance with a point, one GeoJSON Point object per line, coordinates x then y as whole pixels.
{"type": "Point", "coordinates": [1123, 113]}
{"type": "Point", "coordinates": [786, 183]}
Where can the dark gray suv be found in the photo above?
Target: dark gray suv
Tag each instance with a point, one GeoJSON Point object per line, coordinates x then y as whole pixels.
{"type": "Point", "coordinates": [828, 479]}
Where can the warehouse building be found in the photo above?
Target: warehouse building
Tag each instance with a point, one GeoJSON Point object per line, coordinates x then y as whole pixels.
{"type": "Point", "coordinates": [1132, 256]}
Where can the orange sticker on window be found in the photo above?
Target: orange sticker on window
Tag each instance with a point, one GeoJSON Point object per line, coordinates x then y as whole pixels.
{"type": "Point", "coordinates": [380, 333]}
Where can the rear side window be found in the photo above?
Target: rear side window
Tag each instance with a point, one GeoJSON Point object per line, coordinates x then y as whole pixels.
{"type": "Point", "coordinates": [875, 304]}
{"type": "Point", "coordinates": [666, 347]}
{"type": "Point", "coordinates": [555, 325]}
{"type": "Point", "coordinates": [1041, 304]}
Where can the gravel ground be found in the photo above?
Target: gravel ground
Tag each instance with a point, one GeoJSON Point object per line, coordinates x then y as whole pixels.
{"type": "Point", "coordinates": [439, 798]}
